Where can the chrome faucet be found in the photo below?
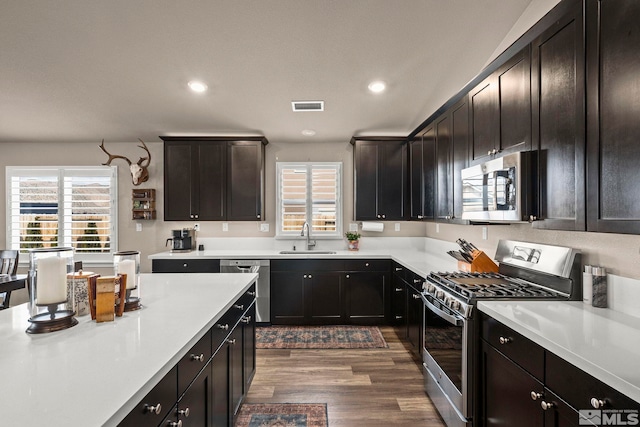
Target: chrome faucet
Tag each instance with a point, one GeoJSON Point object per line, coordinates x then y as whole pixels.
{"type": "Point", "coordinates": [310, 243]}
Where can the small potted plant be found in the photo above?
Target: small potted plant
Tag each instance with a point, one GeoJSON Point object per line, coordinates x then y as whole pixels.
{"type": "Point", "coordinates": [353, 238]}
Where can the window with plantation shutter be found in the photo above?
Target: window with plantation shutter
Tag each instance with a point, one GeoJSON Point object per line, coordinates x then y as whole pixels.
{"type": "Point", "coordinates": [63, 206]}
{"type": "Point", "coordinates": [309, 192]}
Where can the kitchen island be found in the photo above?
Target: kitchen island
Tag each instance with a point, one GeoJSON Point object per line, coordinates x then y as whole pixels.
{"type": "Point", "coordinates": [94, 374]}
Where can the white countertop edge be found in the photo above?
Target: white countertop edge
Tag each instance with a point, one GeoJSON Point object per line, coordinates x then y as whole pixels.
{"type": "Point", "coordinates": [133, 400]}
{"type": "Point", "coordinates": [496, 310]}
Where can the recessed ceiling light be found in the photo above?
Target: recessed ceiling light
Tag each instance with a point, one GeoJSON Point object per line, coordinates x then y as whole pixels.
{"type": "Point", "coordinates": [377, 86]}
{"type": "Point", "coordinates": [308, 132]}
{"type": "Point", "coordinates": [197, 86]}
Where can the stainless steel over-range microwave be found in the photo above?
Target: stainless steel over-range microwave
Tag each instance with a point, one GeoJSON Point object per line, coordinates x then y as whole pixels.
{"type": "Point", "coordinates": [500, 190]}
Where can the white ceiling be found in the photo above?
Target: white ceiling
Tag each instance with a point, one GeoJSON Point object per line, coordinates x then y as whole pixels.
{"type": "Point", "coordinates": [84, 70]}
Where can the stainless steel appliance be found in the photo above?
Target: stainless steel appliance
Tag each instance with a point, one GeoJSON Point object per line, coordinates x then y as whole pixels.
{"type": "Point", "coordinates": [263, 288]}
{"type": "Point", "coordinates": [183, 240]}
{"type": "Point", "coordinates": [527, 270]}
{"type": "Point", "coordinates": [500, 190]}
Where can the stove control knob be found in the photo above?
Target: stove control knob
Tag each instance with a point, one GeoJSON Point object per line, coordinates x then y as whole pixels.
{"type": "Point", "coordinates": [431, 288]}
{"type": "Point", "coordinates": [455, 304]}
{"type": "Point", "coordinates": [439, 294]}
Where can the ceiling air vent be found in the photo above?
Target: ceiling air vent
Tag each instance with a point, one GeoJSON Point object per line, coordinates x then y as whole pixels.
{"type": "Point", "coordinates": [307, 105]}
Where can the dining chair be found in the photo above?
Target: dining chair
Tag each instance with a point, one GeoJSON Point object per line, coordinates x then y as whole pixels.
{"type": "Point", "coordinates": [8, 265]}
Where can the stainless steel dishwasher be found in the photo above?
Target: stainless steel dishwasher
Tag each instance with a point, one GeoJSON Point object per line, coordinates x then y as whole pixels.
{"type": "Point", "coordinates": [263, 290]}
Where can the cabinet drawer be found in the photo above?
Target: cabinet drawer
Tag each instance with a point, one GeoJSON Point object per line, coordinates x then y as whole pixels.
{"type": "Point", "coordinates": [155, 406]}
{"type": "Point", "coordinates": [192, 362]}
{"type": "Point", "coordinates": [185, 266]}
{"type": "Point", "coordinates": [222, 328]}
{"type": "Point", "coordinates": [367, 265]}
{"type": "Point", "coordinates": [307, 265]}
{"type": "Point", "coordinates": [578, 387]}
{"type": "Point", "coordinates": [521, 350]}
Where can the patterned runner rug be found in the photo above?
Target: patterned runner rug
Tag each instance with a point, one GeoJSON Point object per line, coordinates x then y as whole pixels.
{"type": "Point", "coordinates": [283, 415]}
{"type": "Point", "coordinates": [319, 337]}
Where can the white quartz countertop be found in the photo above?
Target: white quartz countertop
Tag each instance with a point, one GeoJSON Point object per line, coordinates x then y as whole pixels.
{"type": "Point", "coordinates": [601, 342]}
{"type": "Point", "coordinates": [93, 374]}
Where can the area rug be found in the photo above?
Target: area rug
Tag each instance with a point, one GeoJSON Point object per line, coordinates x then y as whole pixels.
{"type": "Point", "coordinates": [282, 415]}
{"type": "Point", "coordinates": [319, 337]}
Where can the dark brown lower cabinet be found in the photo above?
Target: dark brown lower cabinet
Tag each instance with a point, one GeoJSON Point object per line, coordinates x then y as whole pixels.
{"type": "Point", "coordinates": [324, 302]}
{"type": "Point", "coordinates": [367, 297]}
{"type": "Point", "coordinates": [208, 385]}
{"type": "Point", "coordinates": [415, 311]}
{"type": "Point", "coordinates": [522, 384]}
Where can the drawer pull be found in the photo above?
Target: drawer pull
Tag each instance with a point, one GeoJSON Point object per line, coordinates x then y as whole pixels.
{"type": "Point", "coordinates": [246, 319]}
{"type": "Point", "coordinates": [399, 289]}
{"type": "Point", "coordinates": [224, 327]}
{"type": "Point", "coordinates": [416, 296]}
{"type": "Point", "coordinates": [347, 276]}
{"type": "Point", "coordinates": [153, 409]}
{"type": "Point", "coordinates": [547, 405]}
{"type": "Point", "coordinates": [197, 358]}
{"type": "Point", "coordinates": [398, 317]}
{"type": "Point", "coordinates": [185, 265]}
{"type": "Point", "coordinates": [239, 306]}
{"type": "Point", "coordinates": [535, 395]}
{"type": "Point", "coordinates": [398, 268]}
{"type": "Point", "coordinates": [184, 412]}
{"type": "Point", "coordinates": [174, 423]}
{"type": "Point", "coordinates": [366, 264]}
{"type": "Point", "coordinates": [417, 280]}
{"type": "Point", "coordinates": [251, 294]}
{"type": "Point", "coordinates": [505, 340]}
{"type": "Point", "coordinates": [232, 342]}
{"type": "Point", "coordinates": [598, 403]}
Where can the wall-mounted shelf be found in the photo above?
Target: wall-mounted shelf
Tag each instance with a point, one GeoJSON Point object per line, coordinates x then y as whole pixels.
{"type": "Point", "coordinates": [144, 203]}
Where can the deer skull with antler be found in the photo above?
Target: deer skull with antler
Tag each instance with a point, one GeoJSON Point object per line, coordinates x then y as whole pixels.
{"type": "Point", "coordinates": [139, 171]}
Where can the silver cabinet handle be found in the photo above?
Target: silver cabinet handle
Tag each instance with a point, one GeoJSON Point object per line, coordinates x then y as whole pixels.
{"type": "Point", "coordinates": [378, 216]}
{"type": "Point", "coordinates": [535, 395]}
{"type": "Point", "coordinates": [197, 358]}
{"type": "Point", "coordinates": [232, 342]}
{"type": "Point", "coordinates": [185, 265]}
{"type": "Point", "coordinates": [257, 216]}
{"type": "Point", "coordinates": [153, 409]}
{"type": "Point", "coordinates": [184, 412]}
{"type": "Point", "coordinates": [224, 327]}
{"type": "Point", "coordinates": [384, 216]}
{"type": "Point", "coordinates": [174, 424]}
{"type": "Point", "coordinates": [420, 217]}
{"type": "Point", "coordinates": [239, 306]}
{"type": "Point", "coordinates": [547, 405]}
{"type": "Point", "coordinates": [399, 289]}
{"type": "Point", "coordinates": [398, 268]}
{"type": "Point", "coordinates": [366, 264]}
{"type": "Point", "coordinates": [598, 403]}
{"type": "Point", "coordinates": [310, 276]}
{"type": "Point", "coordinates": [415, 296]}
{"type": "Point", "coordinates": [347, 276]}
{"type": "Point", "coordinates": [504, 340]}
{"type": "Point", "coordinates": [398, 317]}
{"type": "Point", "coordinates": [246, 319]}
{"type": "Point", "coordinates": [417, 280]}
{"type": "Point", "coordinates": [251, 293]}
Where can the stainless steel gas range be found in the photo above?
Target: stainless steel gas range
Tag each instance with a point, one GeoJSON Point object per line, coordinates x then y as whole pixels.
{"type": "Point", "coordinates": [526, 270]}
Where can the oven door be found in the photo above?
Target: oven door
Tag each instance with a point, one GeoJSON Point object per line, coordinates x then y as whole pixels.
{"type": "Point", "coordinates": [445, 360]}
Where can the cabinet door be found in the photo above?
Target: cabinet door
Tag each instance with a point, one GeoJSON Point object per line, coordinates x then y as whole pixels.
{"type": "Point", "coordinates": [558, 123]}
{"type": "Point", "coordinates": [366, 180]}
{"type": "Point", "coordinates": [392, 180]}
{"type": "Point", "coordinates": [244, 181]}
{"type": "Point", "coordinates": [505, 392]}
{"type": "Point", "coordinates": [423, 175]}
{"type": "Point", "coordinates": [178, 181]}
{"type": "Point", "coordinates": [221, 384]}
{"type": "Point", "coordinates": [324, 302]}
{"type": "Point", "coordinates": [287, 298]}
{"type": "Point", "coordinates": [483, 103]}
{"type": "Point", "coordinates": [416, 179]}
{"type": "Point", "coordinates": [444, 163]}
{"type": "Point", "coordinates": [236, 369]}
{"type": "Point", "coordinates": [209, 190]}
{"type": "Point", "coordinates": [194, 407]}
{"type": "Point", "coordinates": [249, 346]}
{"type": "Point", "coordinates": [460, 142]}
{"type": "Point", "coordinates": [398, 312]}
{"type": "Point", "coordinates": [613, 104]}
{"type": "Point", "coordinates": [366, 297]}
{"type": "Point", "coordinates": [415, 308]}
{"type": "Point", "coordinates": [514, 102]}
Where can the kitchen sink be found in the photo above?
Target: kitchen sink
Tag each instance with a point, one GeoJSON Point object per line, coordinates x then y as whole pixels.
{"type": "Point", "coordinates": [308, 252]}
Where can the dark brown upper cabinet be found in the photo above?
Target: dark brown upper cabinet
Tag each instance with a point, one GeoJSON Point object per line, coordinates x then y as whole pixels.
{"type": "Point", "coordinates": [422, 170]}
{"type": "Point", "coordinates": [213, 178]}
{"type": "Point", "coordinates": [380, 175]}
{"type": "Point", "coordinates": [558, 99]}
{"type": "Point", "coordinates": [613, 111]}
{"type": "Point", "coordinates": [452, 151]}
{"type": "Point", "coordinates": [500, 109]}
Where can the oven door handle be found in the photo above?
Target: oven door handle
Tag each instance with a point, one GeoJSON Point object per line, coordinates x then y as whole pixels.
{"type": "Point", "coordinates": [454, 320]}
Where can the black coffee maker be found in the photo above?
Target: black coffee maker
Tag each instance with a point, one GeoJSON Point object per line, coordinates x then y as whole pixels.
{"type": "Point", "coordinates": [183, 240]}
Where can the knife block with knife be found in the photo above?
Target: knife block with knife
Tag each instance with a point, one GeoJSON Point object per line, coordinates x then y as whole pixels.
{"type": "Point", "coordinates": [472, 260]}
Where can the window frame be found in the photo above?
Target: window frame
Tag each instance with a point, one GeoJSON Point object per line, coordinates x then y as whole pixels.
{"type": "Point", "coordinates": [309, 166]}
{"type": "Point", "coordinates": [62, 172]}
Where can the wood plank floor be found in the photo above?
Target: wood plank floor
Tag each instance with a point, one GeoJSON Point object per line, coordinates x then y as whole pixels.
{"type": "Point", "coordinates": [373, 388]}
